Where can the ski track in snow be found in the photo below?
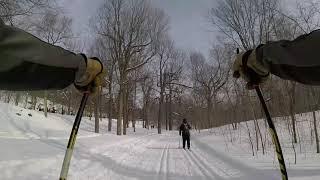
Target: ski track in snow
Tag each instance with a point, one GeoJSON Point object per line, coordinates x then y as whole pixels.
{"type": "Point", "coordinates": [163, 161]}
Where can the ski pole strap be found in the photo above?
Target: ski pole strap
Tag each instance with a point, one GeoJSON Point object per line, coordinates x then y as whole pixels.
{"type": "Point", "coordinates": [274, 135]}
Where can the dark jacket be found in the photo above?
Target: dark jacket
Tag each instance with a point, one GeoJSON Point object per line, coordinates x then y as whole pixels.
{"type": "Point", "coordinates": [184, 129]}
{"type": "Point", "coordinates": [27, 63]}
{"type": "Point", "coordinates": [296, 60]}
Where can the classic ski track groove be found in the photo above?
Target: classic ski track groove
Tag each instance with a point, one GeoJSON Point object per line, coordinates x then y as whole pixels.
{"type": "Point", "coordinates": [185, 153]}
{"type": "Point", "coordinates": [200, 153]}
{"type": "Point", "coordinates": [168, 159]}
{"type": "Point", "coordinates": [204, 165]}
{"type": "Point", "coordinates": [162, 161]}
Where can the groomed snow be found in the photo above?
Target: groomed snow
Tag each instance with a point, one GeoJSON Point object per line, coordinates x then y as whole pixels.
{"type": "Point", "coordinates": [33, 148]}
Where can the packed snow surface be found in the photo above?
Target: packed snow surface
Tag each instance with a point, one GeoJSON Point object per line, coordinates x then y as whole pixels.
{"type": "Point", "coordinates": [32, 147]}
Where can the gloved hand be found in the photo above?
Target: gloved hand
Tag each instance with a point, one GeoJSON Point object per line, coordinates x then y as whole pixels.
{"type": "Point", "coordinates": [90, 76]}
{"type": "Point", "coordinates": [246, 66]}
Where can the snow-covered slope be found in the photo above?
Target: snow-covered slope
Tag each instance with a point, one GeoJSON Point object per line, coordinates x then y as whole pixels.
{"type": "Point", "coordinates": [32, 147]}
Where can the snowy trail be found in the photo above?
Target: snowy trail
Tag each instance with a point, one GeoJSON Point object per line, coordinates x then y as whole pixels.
{"type": "Point", "coordinates": [147, 157]}
{"type": "Point", "coordinates": [158, 157]}
{"type": "Point", "coordinates": [34, 147]}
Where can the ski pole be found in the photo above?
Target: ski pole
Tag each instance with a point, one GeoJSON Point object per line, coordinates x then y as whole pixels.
{"type": "Point", "coordinates": [72, 138]}
{"type": "Point", "coordinates": [274, 135]}
{"type": "Point", "coordinates": [272, 128]}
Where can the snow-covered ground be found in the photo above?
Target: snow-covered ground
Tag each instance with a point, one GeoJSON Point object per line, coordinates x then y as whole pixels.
{"type": "Point", "coordinates": [32, 147]}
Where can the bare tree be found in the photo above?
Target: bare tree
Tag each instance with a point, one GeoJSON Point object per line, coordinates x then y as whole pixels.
{"type": "Point", "coordinates": [164, 53]}
{"type": "Point", "coordinates": [100, 49]}
{"type": "Point", "coordinates": [130, 28]}
{"type": "Point", "coordinates": [146, 83]}
{"type": "Point", "coordinates": [208, 79]}
{"type": "Point", "coordinates": [13, 10]}
{"type": "Point", "coordinates": [246, 23]}
{"type": "Point", "coordinates": [53, 29]}
{"type": "Point", "coordinates": [173, 74]}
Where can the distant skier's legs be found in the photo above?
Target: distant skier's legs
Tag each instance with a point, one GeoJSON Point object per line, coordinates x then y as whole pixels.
{"type": "Point", "coordinates": [188, 141]}
{"type": "Point", "coordinates": [184, 141]}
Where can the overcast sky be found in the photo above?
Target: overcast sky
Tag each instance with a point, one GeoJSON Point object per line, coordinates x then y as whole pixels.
{"type": "Point", "coordinates": [188, 26]}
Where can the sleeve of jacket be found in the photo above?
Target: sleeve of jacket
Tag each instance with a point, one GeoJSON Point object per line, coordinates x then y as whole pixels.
{"type": "Point", "coordinates": [27, 63]}
{"type": "Point", "coordinates": [180, 129]}
{"type": "Point", "coordinates": [296, 60]}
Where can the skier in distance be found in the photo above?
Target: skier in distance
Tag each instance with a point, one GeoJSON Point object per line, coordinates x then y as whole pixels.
{"type": "Point", "coordinates": [295, 60]}
{"type": "Point", "coordinates": [184, 130]}
{"type": "Point", "coordinates": [28, 63]}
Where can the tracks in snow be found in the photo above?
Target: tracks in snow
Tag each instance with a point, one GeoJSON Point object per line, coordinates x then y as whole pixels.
{"type": "Point", "coordinates": [195, 163]}
{"type": "Point", "coordinates": [163, 173]}
{"type": "Point", "coordinates": [158, 157]}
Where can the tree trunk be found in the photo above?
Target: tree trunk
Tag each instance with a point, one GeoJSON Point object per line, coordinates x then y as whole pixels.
{"type": "Point", "coordinates": [316, 131]}
{"type": "Point", "coordinates": [293, 121]}
{"type": "Point", "coordinates": [257, 135]}
{"type": "Point", "coordinates": [17, 99]}
{"type": "Point", "coordinates": [26, 101]}
{"type": "Point", "coordinates": [8, 97]}
{"type": "Point", "coordinates": [125, 112]}
{"type": "Point", "coordinates": [91, 110]}
{"type": "Point", "coordinates": [126, 109]}
{"type": "Point", "coordinates": [209, 107]}
{"type": "Point", "coordinates": [146, 115]}
{"type": "Point", "coordinates": [133, 104]}
{"type": "Point", "coordinates": [170, 108]}
{"type": "Point", "coordinates": [34, 102]}
{"type": "Point", "coordinates": [69, 105]}
{"type": "Point", "coordinates": [96, 115]}
{"type": "Point", "coordinates": [45, 104]}
{"type": "Point", "coordinates": [292, 111]}
{"type": "Point", "coordinates": [120, 109]}
{"type": "Point", "coordinates": [100, 104]}
{"type": "Point", "coordinates": [110, 106]}
{"type": "Point", "coordinates": [261, 139]}
{"type": "Point", "coordinates": [250, 139]}
{"type": "Point", "coordinates": [160, 115]}
{"type": "Point", "coordinates": [53, 103]}
{"type": "Point", "coordinates": [166, 113]}
{"type": "Point", "coordinates": [160, 112]}
{"type": "Point", "coordinates": [257, 128]}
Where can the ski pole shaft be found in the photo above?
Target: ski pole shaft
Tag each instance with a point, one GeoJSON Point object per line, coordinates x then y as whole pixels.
{"type": "Point", "coordinates": [72, 138]}
{"type": "Point", "coordinates": [251, 74]}
{"type": "Point", "coordinates": [274, 135]}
